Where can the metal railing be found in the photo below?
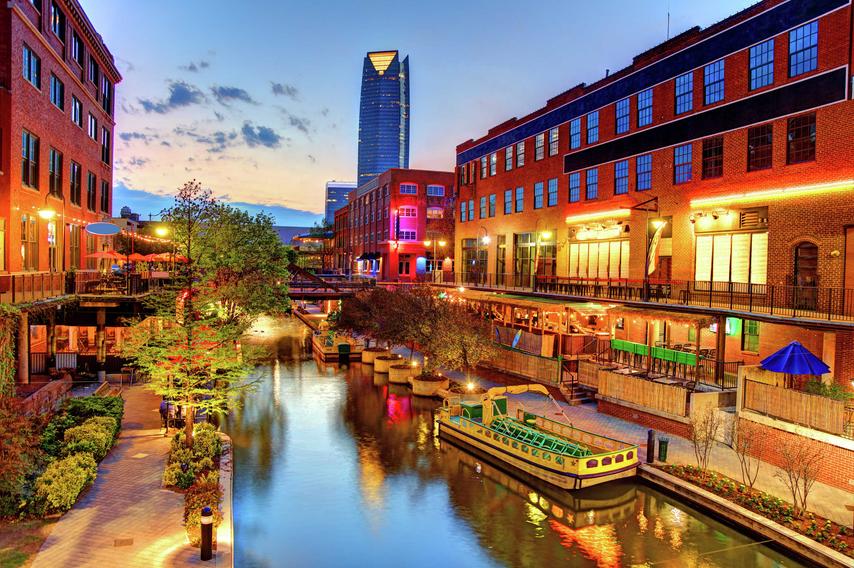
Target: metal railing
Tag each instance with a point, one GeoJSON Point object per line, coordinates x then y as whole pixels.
{"type": "Point", "coordinates": [24, 287]}
{"type": "Point", "coordinates": [804, 302]}
{"type": "Point", "coordinates": [95, 283]}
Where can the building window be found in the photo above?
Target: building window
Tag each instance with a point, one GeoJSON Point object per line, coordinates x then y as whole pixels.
{"type": "Point", "coordinates": [76, 111]}
{"type": "Point", "coordinates": [74, 246]}
{"type": "Point", "coordinates": [76, 180]}
{"type": "Point", "coordinates": [54, 168]}
{"type": "Point", "coordinates": [106, 146]}
{"type": "Point", "coordinates": [29, 242]}
{"type": "Point", "coordinates": [643, 172]}
{"type": "Point", "coordinates": [592, 187]}
{"type": "Point", "coordinates": [492, 205]}
{"type": "Point", "coordinates": [520, 199]}
{"type": "Point", "coordinates": [593, 127]}
{"type": "Point", "coordinates": [803, 49]}
{"type": "Point", "coordinates": [713, 79]}
{"type": "Point", "coordinates": [540, 146]}
{"type": "Point", "coordinates": [407, 236]}
{"type": "Point", "coordinates": [538, 195]}
{"type": "Point", "coordinates": [76, 48]}
{"type": "Point", "coordinates": [404, 212]}
{"type": "Point", "coordinates": [37, 4]}
{"type": "Point", "coordinates": [30, 160]}
{"type": "Point", "coordinates": [575, 133]}
{"type": "Point", "coordinates": [621, 177]}
{"type": "Point", "coordinates": [731, 257]}
{"type": "Point", "coordinates": [552, 192]}
{"type": "Point", "coordinates": [57, 92]}
{"type": "Point", "coordinates": [94, 70]}
{"type": "Point", "coordinates": [645, 108]}
{"type": "Point", "coordinates": [508, 201]}
{"type": "Point", "coordinates": [107, 95]}
{"type": "Point", "coordinates": [408, 189]}
{"type": "Point", "coordinates": [435, 191]}
{"type": "Point", "coordinates": [462, 212]}
{"type": "Point", "coordinates": [762, 64]}
{"type": "Point", "coordinates": [605, 259]}
{"type": "Point", "coordinates": [91, 191]}
{"type": "Point", "coordinates": [471, 209]}
{"type": "Point", "coordinates": [750, 336]}
{"type": "Point", "coordinates": [483, 167]}
{"type": "Point", "coordinates": [93, 127]}
{"type": "Point", "coordinates": [493, 163]}
{"type": "Point", "coordinates": [800, 141]}
{"type": "Point", "coordinates": [574, 187]}
{"type": "Point", "coordinates": [682, 163]}
{"type": "Point", "coordinates": [32, 67]}
{"type": "Point", "coordinates": [508, 158]}
{"type": "Point", "coordinates": [713, 157]}
{"type": "Point", "coordinates": [483, 207]}
{"type": "Point", "coordinates": [759, 145]}
{"type": "Point", "coordinates": [622, 116]}
{"type": "Point", "coordinates": [684, 92]}
{"type": "Point", "coordinates": [57, 21]}
{"type": "Point", "coordinates": [105, 199]}
{"type": "Point", "coordinates": [520, 154]}
{"type": "Point", "coordinates": [553, 141]}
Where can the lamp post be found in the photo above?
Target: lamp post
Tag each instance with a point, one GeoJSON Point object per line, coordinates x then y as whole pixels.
{"type": "Point", "coordinates": [434, 242]}
{"type": "Point", "coordinates": [484, 240]}
{"type": "Point", "coordinates": [537, 236]}
{"type": "Point", "coordinates": [49, 214]}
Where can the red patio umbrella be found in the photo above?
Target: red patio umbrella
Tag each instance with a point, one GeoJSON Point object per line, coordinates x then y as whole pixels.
{"type": "Point", "coordinates": [136, 257]}
{"type": "Point", "coordinates": [107, 254]}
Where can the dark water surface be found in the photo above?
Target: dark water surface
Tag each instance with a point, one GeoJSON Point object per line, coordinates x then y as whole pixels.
{"type": "Point", "coordinates": [334, 468]}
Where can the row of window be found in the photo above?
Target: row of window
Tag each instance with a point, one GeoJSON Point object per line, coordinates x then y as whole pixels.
{"type": "Point", "coordinates": [803, 58]}
{"type": "Point", "coordinates": [30, 175]}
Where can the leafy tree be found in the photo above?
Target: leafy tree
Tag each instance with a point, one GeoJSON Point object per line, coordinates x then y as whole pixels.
{"type": "Point", "coordinates": [357, 316]}
{"type": "Point", "coordinates": [235, 271]}
{"type": "Point", "coordinates": [19, 449]}
{"type": "Point", "coordinates": [463, 341]}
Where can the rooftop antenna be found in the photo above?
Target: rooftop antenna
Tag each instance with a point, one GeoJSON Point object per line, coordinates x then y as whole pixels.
{"type": "Point", "coordinates": [668, 19]}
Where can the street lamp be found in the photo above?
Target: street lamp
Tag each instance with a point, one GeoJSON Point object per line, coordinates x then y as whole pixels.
{"type": "Point", "coordinates": [48, 214]}
{"type": "Point", "coordinates": [441, 244]}
{"type": "Point", "coordinates": [484, 240]}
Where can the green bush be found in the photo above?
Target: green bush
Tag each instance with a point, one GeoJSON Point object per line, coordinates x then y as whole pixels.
{"type": "Point", "coordinates": [52, 440]}
{"type": "Point", "coordinates": [170, 474]}
{"type": "Point", "coordinates": [107, 423]}
{"type": "Point", "coordinates": [90, 437]}
{"type": "Point", "coordinates": [204, 464]}
{"type": "Point", "coordinates": [181, 455]}
{"type": "Point", "coordinates": [206, 441]}
{"type": "Point", "coordinates": [205, 493]}
{"type": "Point", "coordinates": [88, 406]}
{"type": "Point", "coordinates": [833, 391]}
{"type": "Point", "coordinates": [185, 479]}
{"type": "Point", "coordinates": [63, 480]}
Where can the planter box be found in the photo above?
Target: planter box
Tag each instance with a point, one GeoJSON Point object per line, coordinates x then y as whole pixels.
{"type": "Point", "coordinates": [428, 388]}
{"type": "Point", "coordinates": [401, 373]}
{"type": "Point", "coordinates": [384, 362]}
{"type": "Point", "coordinates": [371, 353]}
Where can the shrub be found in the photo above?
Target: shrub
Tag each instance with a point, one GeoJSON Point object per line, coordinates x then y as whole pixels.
{"type": "Point", "coordinates": [181, 455]}
{"type": "Point", "coordinates": [170, 474]}
{"type": "Point", "coordinates": [88, 406]}
{"type": "Point", "coordinates": [186, 477]}
{"type": "Point", "coordinates": [206, 441]}
{"type": "Point", "coordinates": [205, 493]}
{"type": "Point", "coordinates": [91, 437]}
{"type": "Point", "coordinates": [107, 423]}
{"type": "Point", "coordinates": [204, 464]}
{"type": "Point", "coordinates": [52, 436]}
{"type": "Point", "coordinates": [63, 480]}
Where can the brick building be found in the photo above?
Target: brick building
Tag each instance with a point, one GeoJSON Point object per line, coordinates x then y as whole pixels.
{"type": "Point", "coordinates": [713, 176]}
{"type": "Point", "coordinates": [56, 129]}
{"type": "Point", "coordinates": [395, 223]}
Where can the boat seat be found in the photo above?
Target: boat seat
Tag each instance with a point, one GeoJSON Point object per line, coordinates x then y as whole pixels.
{"type": "Point", "coordinates": [537, 438]}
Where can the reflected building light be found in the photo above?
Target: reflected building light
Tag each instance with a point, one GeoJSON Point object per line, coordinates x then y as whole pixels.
{"type": "Point", "coordinates": [277, 383]}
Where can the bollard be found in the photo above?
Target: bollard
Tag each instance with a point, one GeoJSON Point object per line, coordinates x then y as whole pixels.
{"type": "Point", "coordinates": [662, 449]}
{"type": "Point", "coordinates": [207, 533]}
{"type": "Point", "coordinates": [650, 446]}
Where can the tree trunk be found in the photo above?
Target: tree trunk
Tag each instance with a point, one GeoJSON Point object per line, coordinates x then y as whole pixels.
{"type": "Point", "coordinates": [189, 421]}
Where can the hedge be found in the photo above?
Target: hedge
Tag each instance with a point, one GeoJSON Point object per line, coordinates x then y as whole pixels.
{"type": "Point", "coordinates": [63, 480]}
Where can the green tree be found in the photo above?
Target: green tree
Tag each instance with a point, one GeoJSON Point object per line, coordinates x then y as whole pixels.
{"type": "Point", "coordinates": [235, 271]}
{"type": "Point", "coordinates": [463, 340]}
{"type": "Point", "coordinates": [19, 451]}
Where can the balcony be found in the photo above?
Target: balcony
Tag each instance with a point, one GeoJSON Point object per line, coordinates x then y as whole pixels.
{"type": "Point", "coordinates": [28, 287]}
{"type": "Point", "coordinates": [785, 301]}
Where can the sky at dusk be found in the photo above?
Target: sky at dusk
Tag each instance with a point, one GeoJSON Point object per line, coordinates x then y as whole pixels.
{"type": "Point", "coordinates": [259, 100]}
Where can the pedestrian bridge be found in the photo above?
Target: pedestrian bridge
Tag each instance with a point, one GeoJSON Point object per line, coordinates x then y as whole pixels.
{"type": "Point", "coordinates": [305, 285]}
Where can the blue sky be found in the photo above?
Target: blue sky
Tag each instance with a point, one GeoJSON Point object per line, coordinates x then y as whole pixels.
{"type": "Point", "coordinates": [259, 100]}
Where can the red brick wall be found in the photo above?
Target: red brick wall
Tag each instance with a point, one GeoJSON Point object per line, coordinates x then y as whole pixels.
{"type": "Point", "coordinates": [838, 465]}
{"type": "Point", "coordinates": [657, 423]}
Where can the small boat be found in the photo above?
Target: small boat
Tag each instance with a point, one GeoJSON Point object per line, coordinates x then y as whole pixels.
{"type": "Point", "coordinates": [553, 451]}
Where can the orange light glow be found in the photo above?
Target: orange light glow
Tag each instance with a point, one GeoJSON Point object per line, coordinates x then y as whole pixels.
{"type": "Point", "coordinates": [610, 214]}
{"type": "Point", "coordinates": [779, 193]}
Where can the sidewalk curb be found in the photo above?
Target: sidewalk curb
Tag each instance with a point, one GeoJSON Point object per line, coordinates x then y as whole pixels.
{"type": "Point", "coordinates": [786, 537]}
{"type": "Point", "coordinates": [225, 531]}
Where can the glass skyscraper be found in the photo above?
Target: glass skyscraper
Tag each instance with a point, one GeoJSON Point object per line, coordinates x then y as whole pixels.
{"type": "Point", "coordinates": [383, 115]}
{"type": "Point", "coordinates": [337, 193]}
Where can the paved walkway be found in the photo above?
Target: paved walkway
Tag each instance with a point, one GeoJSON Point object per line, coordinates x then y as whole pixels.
{"type": "Point", "coordinates": [825, 500]}
{"type": "Point", "coordinates": [125, 518]}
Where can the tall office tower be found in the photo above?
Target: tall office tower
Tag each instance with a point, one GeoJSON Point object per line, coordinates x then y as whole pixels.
{"type": "Point", "coordinates": [383, 115]}
{"type": "Point", "coordinates": [337, 193]}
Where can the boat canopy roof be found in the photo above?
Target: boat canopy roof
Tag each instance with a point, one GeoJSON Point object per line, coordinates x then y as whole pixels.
{"type": "Point", "coordinates": [517, 389]}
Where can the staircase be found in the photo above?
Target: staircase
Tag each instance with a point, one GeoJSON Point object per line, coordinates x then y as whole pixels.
{"type": "Point", "coordinates": [574, 392]}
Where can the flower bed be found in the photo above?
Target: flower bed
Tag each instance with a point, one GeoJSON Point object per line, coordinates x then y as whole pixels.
{"type": "Point", "coordinates": [812, 526]}
{"type": "Point", "coordinates": [196, 471]}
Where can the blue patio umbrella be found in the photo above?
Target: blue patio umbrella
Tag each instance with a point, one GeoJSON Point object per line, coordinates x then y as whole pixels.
{"type": "Point", "coordinates": [795, 359]}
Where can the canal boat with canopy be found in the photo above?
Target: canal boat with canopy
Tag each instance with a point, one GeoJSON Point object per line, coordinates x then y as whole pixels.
{"type": "Point", "coordinates": [553, 451]}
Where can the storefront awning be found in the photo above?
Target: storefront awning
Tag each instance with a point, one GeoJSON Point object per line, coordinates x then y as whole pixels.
{"type": "Point", "coordinates": [672, 317]}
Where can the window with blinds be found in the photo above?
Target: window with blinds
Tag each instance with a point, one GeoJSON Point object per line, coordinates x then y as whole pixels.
{"type": "Point", "coordinates": [606, 259]}
{"type": "Point", "coordinates": [732, 257]}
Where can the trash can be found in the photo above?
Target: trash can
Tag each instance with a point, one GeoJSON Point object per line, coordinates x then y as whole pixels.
{"type": "Point", "coordinates": [662, 449]}
{"type": "Point", "coordinates": [344, 353]}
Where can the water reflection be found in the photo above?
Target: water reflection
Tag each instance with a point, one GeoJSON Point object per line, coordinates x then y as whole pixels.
{"type": "Point", "coordinates": [337, 467]}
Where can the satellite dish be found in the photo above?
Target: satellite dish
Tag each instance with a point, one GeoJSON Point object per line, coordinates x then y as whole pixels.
{"type": "Point", "coordinates": [102, 229]}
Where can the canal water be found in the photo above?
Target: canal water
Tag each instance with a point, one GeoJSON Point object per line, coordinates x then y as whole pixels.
{"type": "Point", "coordinates": [336, 468]}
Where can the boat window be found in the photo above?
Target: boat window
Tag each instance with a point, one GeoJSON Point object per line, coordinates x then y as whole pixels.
{"type": "Point", "coordinates": [479, 431]}
{"type": "Point", "coordinates": [559, 460]}
{"type": "Point", "coordinates": [606, 461]}
{"type": "Point", "coordinates": [504, 440]}
{"type": "Point", "coordinates": [535, 452]}
{"type": "Point", "coordinates": [525, 449]}
{"type": "Point", "coordinates": [515, 445]}
{"type": "Point", "coordinates": [546, 456]}
{"type": "Point", "coordinates": [592, 463]}
{"type": "Point", "coordinates": [630, 455]}
{"type": "Point", "coordinates": [619, 458]}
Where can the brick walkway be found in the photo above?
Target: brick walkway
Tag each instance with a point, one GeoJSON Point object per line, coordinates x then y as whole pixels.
{"type": "Point", "coordinates": [125, 518]}
{"type": "Point", "coordinates": [825, 500]}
